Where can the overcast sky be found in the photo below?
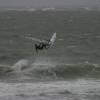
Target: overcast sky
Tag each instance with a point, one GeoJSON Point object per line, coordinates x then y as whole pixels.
{"type": "Point", "coordinates": [39, 3]}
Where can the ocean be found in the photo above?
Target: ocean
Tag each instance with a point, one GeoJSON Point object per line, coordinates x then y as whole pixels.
{"type": "Point", "coordinates": [70, 70]}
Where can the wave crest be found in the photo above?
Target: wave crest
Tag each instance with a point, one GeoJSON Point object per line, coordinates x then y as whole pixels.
{"type": "Point", "coordinates": [52, 71]}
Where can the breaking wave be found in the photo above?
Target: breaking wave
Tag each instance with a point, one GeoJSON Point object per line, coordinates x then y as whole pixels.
{"type": "Point", "coordinates": [48, 70]}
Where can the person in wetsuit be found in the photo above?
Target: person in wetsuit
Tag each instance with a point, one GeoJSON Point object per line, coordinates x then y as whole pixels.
{"type": "Point", "coordinates": [41, 46]}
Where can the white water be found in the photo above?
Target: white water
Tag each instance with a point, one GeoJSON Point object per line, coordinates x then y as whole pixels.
{"type": "Point", "coordinates": [29, 64]}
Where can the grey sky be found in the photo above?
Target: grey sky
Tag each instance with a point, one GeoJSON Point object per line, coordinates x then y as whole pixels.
{"type": "Point", "coordinates": [39, 3]}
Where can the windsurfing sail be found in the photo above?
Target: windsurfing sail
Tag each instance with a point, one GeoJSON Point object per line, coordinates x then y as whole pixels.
{"type": "Point", "coordinates": [49, 42]}
{"type": "Point", "coordinates": [52, 40]}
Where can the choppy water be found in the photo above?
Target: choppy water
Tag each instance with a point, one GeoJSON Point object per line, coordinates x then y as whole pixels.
{"type": "Point", "coordinates": [58, 90]}
{"type": "Point", "coordinates": [68, 71]}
